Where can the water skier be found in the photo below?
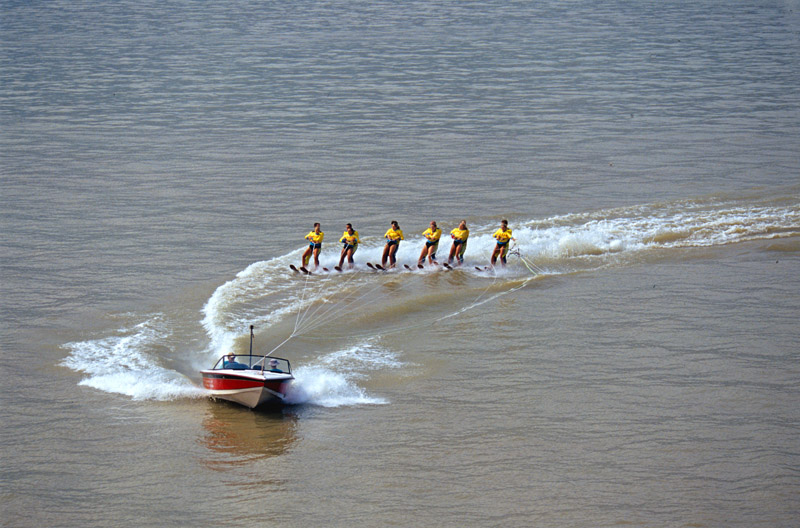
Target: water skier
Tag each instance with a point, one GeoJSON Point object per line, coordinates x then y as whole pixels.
{"type": "Point", "coordinates": [503, 237]}
{"type": "Point", "coordinates": [315, 245]}
{"type": "Point", "coordinates": [432, 236]}
{"type": "Point", "coordinates": [393, 237]}
{"type": "Point", "coordinates": [350, 240]}
{"type": "Point", "coordinates": [459, 236]}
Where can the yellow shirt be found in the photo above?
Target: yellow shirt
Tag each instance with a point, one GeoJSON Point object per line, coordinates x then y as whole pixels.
{"type": "Point", "coordinates": [432, 235]}
{"type": "Point", "coordinates": [502, 236]}
{"type": "Point", "coordinates": [315, 237]}
{"type": "Point", "coordinates": [460, 234]}
{"type": "Point", "coordinates": [350, 239]}
{"type": "Point", "coordinates": [394, 234]}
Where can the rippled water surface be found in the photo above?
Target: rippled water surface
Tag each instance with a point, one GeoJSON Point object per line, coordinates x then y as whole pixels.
{"type": "Point", "coordinates": [636, 363]}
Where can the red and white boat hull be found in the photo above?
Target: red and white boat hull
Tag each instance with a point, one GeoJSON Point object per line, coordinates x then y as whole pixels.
{"type": "Point", "coordinates": [249, 388]}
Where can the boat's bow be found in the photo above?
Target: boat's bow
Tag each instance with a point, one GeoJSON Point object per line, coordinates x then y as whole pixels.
{"type": "Point", "coordinates": [249, 380]}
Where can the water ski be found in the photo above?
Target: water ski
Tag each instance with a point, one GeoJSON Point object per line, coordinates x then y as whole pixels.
{"type": "Point", "coordinates": [370, 266]}
{"type": "Point", "coordinates": [446, 265]}
{"type": "Point", "coordinates": [304, 270]}
{"type": "Point", "coordinates": [482, 269]}
{"type": "Point", "coordinates": [407, 266]}
{"type": "Point", "coordinates": [294, 269]}
{"type": "Point", "coordinates": [337, 268]}
{"type": "Point", "coordinates": [379, 267]}
{"type": "Point", "coordinates": [326, 270]}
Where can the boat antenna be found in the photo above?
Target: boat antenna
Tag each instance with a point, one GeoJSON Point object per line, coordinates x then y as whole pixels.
{"type": "Point", "coordinates": [251, 340]}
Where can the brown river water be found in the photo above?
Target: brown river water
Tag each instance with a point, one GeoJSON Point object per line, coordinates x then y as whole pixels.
{"type": "Point", "coordinates": [635, 364]}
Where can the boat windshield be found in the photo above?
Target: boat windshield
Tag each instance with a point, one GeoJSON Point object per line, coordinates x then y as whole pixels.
{"type": "Point", "coordinates": [248, 362]}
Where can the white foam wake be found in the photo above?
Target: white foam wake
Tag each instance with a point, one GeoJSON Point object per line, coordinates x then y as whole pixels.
{"type": "Point", "coordinates": [330, 380]}
{"type": "Point", "coordinates": [127, 363]}
{"type": "Point", "coordinates": [266, 293]}
{"type": "Point", "coordinates": [684, 224]}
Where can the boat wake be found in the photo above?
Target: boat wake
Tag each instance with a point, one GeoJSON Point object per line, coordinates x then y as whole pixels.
{"type": "Point", "coordinates": [133, 363]}
{"type": "Point", "coordinates": [140, 360]}
{"type": "Point", "coordinates": [267, 292]}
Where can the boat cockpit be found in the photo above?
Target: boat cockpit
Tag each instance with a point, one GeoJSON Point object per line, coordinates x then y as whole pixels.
{"type": "Point", "coordinates": [252, 362]}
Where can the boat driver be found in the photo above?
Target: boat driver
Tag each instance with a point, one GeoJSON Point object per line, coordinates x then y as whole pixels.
{"type": "Point", "coordinates": [230, 362]}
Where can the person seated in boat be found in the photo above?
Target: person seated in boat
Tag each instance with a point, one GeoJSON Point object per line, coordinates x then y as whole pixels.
{"type": "Point", "coordinates": [273, 366]}
{"type": "Point", "coordinates": [350, 240]}
{"type": "Point", "coordinates": [393, 237]}
{"type": "Point", "coordinates": [432, 236]}
{"type": "Point", "coordinates": [314, 247]}
{"type": "Point", "coordinates": [503, 237]}
{"type": "Point", "coordinates": [459, 236]}
{"type": "Point", "coordinates": [230, 363]}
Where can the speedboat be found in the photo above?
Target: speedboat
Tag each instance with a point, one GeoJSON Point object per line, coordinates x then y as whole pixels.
{"type": "Point", "coordinates": [249, 380]}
